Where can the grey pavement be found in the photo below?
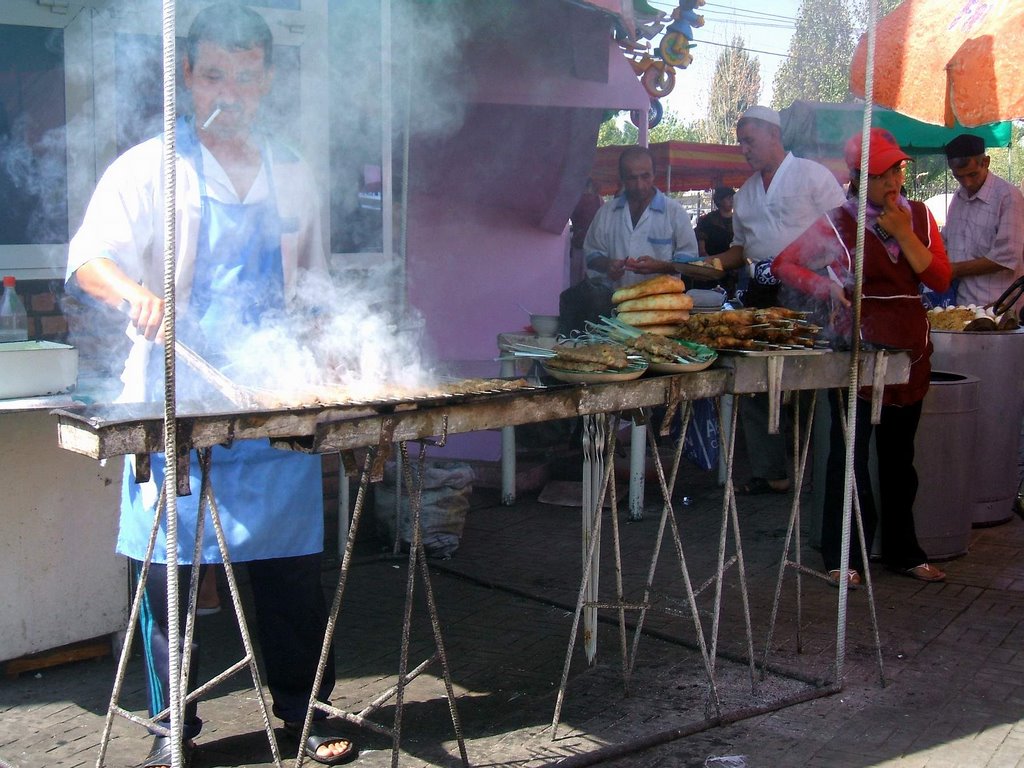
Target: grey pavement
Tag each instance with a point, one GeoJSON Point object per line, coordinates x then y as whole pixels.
{"type": "Point", "coordinates": [953, 693]}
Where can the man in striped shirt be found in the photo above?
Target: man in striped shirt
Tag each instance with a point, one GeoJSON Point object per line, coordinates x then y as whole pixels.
{"type": "Point", "coordinates": [984, 227]}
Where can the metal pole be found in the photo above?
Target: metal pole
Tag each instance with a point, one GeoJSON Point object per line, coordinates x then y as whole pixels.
{"type": "Point", "coordinates": [170, 415]}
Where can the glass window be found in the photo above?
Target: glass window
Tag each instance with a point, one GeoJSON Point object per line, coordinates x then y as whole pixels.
{"type": "Point", "coordinates": [33, 148]}
{"type": "Point", "coordinates": [355, 120]}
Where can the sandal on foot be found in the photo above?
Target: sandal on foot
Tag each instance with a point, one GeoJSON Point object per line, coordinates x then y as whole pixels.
{"type": "Point", "coordinates": [160, 754]}
{"type": "Point", "coordinates": [925, 572]}
{"type": "Point", "coordinates": [852, 578]}
{"type": "Point", "coordinates": [755, 486]}
{"type": "Point", "coordinates": [321, 734]}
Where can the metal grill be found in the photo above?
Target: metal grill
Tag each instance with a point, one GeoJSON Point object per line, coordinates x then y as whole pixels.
{"type": "Point", "coordinates": [105, 431]}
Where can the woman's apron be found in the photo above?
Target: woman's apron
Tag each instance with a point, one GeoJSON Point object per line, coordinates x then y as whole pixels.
{"type": "Point", "coordinates": [270, 501]}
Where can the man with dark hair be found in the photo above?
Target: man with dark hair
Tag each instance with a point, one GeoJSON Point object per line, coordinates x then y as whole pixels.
{"type": "Point", "coordinates": [640, 232]}
{"type": "Point", "coordinates": [984, 230]}
{"type": "Point", "coordinates": [248, 226]}
{"type": "Point", "coordinates": [714, 235]}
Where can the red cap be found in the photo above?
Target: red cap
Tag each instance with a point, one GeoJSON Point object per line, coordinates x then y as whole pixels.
{"type": "Point", "coordinates": [883, 152]}
{"type": "Point", "coordinates": [9, 281]}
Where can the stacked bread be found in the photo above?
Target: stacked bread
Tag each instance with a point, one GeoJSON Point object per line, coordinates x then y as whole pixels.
{"type": "Point", "coordinates": [657, 305]}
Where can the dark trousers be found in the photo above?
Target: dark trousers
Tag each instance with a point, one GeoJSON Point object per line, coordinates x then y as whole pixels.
{"type": "Point", "coordinates": [766, 452]}
{"type": "Point", "coordinates": [897, 486]}
{"type": "Point", "coordinates": [291, 619]}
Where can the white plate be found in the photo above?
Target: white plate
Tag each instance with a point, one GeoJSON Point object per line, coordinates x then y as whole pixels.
{"type": "Point", "coordinates": [634, 371]}
{"type": "Point", "coordinates": [680, 367]}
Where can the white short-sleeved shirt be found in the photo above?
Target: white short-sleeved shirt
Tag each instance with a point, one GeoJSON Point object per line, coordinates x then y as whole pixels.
{"type": "Point", "coordinates": [989, 225]}
{"type": "Point", "coordinates": [256, 486]}
{"type": "Point", "coordinates": [766, 221]}
{"type": "Point", "coordinates": [124, 223]}
{"type": "Point", "coordinates": [663, 231]}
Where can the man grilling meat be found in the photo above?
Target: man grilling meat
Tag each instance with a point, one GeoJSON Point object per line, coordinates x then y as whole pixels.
{"type": "Point", "coordinates": [248, 226]}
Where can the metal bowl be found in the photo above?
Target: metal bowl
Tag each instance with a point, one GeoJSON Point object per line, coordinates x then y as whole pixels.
{"type": "Point", "coordinates": [544, 325]}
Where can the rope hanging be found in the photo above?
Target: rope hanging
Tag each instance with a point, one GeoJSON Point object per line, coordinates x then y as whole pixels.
{"type": "Point", "coordinates": [858, 285]}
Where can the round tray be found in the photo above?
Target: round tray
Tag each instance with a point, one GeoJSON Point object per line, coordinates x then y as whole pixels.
{"type": "Point", "coordinates": [680, 367]}
{"type": "Point", "coordinates": [634, 371]}
{"type": "Point", "coordinates": [700, 272]}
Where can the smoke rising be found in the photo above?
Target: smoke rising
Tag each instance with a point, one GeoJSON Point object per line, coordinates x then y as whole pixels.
{"type": "Point", "coordinates": [343, 332]}
{"type": "Point", "coordinates": [332, 336]}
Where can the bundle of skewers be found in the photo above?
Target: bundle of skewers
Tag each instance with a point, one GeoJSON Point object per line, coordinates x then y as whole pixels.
{"type": "Point", "coordinates": [583, 354]}
{"type": "Point", "coordinates": [774, 328]}
{"type": "Point", "coordinates": [653, 347]}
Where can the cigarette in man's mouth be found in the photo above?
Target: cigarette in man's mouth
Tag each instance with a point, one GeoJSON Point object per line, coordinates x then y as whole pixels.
{"type": "Point", "coordinates": [211, 118]}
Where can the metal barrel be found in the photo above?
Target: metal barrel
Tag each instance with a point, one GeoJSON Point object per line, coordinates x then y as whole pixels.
{"type": "Point", "coordinates": [944, 451]}
{"type": "Point", "coordinates": [996, 358]}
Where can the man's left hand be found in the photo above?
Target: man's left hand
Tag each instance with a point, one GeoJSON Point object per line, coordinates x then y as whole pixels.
{"type": "Point", "coordinates": [648, 265]}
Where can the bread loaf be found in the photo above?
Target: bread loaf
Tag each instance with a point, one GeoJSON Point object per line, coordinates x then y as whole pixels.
{"type": "Point", "coordinates": [657, 301]}
{"type": "Point", "coordinates": [654, 317]}
{"type": "Point", "coordinates": [649, 287]}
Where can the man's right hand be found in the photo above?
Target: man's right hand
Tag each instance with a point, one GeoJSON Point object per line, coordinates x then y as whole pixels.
{"type": "Point", "coordinates": [616, 268]}
{"type": "Point", "coordinates": [102, 279]}
{"type": "Point", "coordinates": [146, 311]}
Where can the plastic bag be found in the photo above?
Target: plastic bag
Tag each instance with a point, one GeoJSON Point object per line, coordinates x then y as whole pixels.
{"type": "Point", "coordinates": [702, 438]}
{"type": "Point", "coordinates": [447, 486]}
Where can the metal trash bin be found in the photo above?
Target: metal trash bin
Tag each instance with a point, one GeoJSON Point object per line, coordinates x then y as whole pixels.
{"type": "Point", "coordinates": [997, 359]}
{"type": "Point", "coordinates": [944, 452]}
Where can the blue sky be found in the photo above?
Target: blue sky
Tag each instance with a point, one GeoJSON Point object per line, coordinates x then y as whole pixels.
{"type": "Point", "coordinates": [764, 26]}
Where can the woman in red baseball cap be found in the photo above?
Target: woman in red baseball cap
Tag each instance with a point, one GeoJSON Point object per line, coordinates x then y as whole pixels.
{"type": "Point", "coordinates": [902, 248]}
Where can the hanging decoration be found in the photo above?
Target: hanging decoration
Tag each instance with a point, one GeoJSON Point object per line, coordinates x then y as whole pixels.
{"type": "Point", "coordinates": [657, 68]}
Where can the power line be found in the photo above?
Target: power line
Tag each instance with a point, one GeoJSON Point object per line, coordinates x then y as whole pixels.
{"type": "Point", "coordinates": [773, 18]}
{"type": "Point", "coordinates": [756, 14]}
{"type": "Point", "coordinates": [744, 48]}
{"type": "Point", "coordinates": [747, 23]}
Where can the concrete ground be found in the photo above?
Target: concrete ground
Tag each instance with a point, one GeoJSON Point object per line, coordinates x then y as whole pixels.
{"type": "Point", "coordinates": [951, 655]}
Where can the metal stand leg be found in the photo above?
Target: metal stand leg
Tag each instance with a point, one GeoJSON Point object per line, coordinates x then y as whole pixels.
{"type": "Point", "coordinates": [793, 539]}
{"type": "Point", "coordinates": [587, 599]}
{"type": "Point", "coordinates": [591, 536]}
{"type": "Point", "coordinates": [508, 466]}
{"type": "Point", "coordinates": [726, 405]}
{"type": "Point", "coordinates": [637, 471]}
{"type": "Point", "coordinates": [593, 497]}
{"type": "Point", "coordinates": [508, 447]}
{"type": "Point", "coordinates": [417, 565]}
{"type": "Point", "coordinates": [730, 513]}
{"type": "Point", "coordinates": [207, 502]}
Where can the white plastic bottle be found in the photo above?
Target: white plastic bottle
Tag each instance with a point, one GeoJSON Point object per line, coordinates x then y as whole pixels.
{"type": "Point", "coordinates": [13, 318]}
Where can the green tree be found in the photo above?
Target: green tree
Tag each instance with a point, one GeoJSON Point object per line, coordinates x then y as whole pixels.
{"type": "Point", "coordinates": [615, 132]}
{"type": "Point", "coordinates": [618, 130]}
{"type": "Point", "coordinates": [735, 86]}
{"type": "Point", "coordinates": [860, 12]}
{"type": "Point", "coordinates": [818, 67]}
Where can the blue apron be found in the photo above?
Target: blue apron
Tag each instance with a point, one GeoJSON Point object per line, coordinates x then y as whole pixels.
{"type": "Point", "coordinates": [270, 501]}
